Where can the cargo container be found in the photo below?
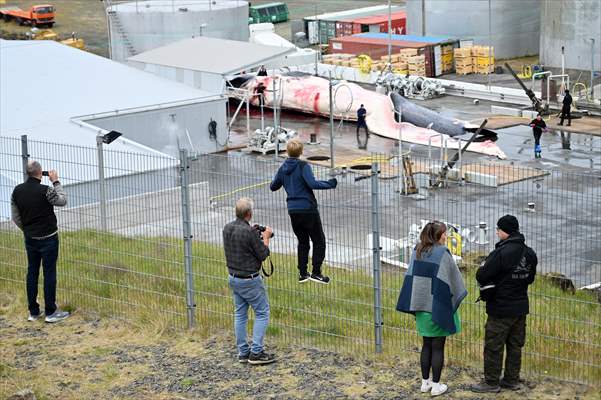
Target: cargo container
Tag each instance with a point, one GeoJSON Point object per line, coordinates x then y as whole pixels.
{"type": "Point", "coordinates": [379, 23]}
{"type": "Point", "coordinates": [376, 46]}
{"type": "Point", "coordinates": [323, 22]}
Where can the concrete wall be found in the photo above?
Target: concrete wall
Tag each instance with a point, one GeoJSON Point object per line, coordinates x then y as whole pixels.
{"type": "Point", "coordinates": [571, 23]}
{"type": "Point", "coordinates": [159, 24]}
{"type": "Point", "coordinates": [515, 24]}
{"type": "Point", "coordinates": [162, 129]}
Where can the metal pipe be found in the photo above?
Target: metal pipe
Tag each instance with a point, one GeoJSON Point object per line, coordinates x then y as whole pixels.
{"type": "Point", "coordinates": [592, 68]}
{"type": "Point", "coordinates": [460, 164]}
{"type": "Point", "coordinates": [563, 64]}
{"type": "Point", "coordinates": [332, 164]}
{"type": "Point", "coordinates": [389, 37]}
{"type": "Point", "coordinates": [489, 43]}
{"type": "Point", "coordinates": [187, 231]}
{"type": "Point", "coordinates": [377, 271]}
{"type": "Point", "coordinates": [423, 17]}
{"type": "Point", "coordinates": [101, 182]}
{"type": "Point", "coordinates": [24, 156]}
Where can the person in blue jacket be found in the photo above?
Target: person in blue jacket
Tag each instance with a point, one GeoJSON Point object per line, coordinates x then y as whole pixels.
{"type": "Point", "coordinates": [299, 182]}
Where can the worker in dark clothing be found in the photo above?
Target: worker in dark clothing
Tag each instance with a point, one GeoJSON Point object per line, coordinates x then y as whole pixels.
{"type": "Point", "coordinates": [565, 109]}
{"type": "Point", "coordinates": [262, 71]}
{"type": "Point", "coordinates": [511, 267]}
{"type": "Point", "coordinates": [260, 90]}
{"type": "Point", "coordinates": [538, 126]}
{"type": "Point", "coordinates": [361, 113]}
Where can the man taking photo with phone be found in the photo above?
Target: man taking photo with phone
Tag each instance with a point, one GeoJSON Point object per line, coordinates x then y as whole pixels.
{"type": "Point", "coordinates": [32, 207]}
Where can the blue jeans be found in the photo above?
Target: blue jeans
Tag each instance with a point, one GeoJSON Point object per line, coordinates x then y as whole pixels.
{"type": "Point", "coordinates": [43, 251]}
{"type": "Point", "coordinates": [250, 292]}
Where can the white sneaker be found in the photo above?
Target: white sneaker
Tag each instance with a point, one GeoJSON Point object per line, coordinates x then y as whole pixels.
{"type": "Point", "coordinates": [426, 385]}
{"type": "Point", "coordinates": [438, 389]}
{"type": "Point", "coordinates": [32, 317]}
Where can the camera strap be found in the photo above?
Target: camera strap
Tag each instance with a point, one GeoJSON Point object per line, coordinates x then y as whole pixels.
{"type": "Point", "coordinates": [271, 269]}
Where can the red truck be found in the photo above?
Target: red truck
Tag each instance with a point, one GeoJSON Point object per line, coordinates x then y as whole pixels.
{"type": "Point", "coordinates": [42, 14]}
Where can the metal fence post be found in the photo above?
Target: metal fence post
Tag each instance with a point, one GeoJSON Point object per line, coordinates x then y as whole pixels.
{"type": "Point", "coordinates": [377, 271]}
{"type": "Point", "coordinates": [24, 155]}
{"type": "Point", "coordinates": [187, 231]}
{"type": "Point", "coordinates": [101, 182]}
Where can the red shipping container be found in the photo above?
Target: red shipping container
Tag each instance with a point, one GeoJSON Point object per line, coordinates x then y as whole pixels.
{"type": "Point", "coordinates": [398, 22]}
{"type": "Point", "coordinates": [376, 48]}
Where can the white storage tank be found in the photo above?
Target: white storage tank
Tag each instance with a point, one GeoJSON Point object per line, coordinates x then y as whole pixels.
{"type": "Point", "coordinates": [515, 23]}
{"type": "Point", "coordinates": [571, 24]}
{"type": "Point", "coordinates": [138, 26]}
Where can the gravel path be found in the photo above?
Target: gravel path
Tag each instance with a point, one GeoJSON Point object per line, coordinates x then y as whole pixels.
{"type": "Point", "coordinates": [87, 358]}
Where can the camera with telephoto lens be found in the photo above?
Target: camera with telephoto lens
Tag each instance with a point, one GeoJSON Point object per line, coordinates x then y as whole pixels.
{"type": "Point", "coordinates": [261, 229]}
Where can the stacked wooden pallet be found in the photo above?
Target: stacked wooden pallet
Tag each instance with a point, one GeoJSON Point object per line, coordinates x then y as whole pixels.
{"type": "Point", "coordinates": [417, 65]}
{"type": "Point", "coordinates": [447, 58]}
{"type": "Point", "coordinates": [463, 60]}
{"type": "Point", "coordinates": [484, 59]}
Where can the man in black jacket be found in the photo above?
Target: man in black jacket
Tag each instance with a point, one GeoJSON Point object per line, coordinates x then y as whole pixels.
{"type": "Point", "coordinates": [566, 108]}
{"type": "Point", "coordinates": [32, 206]}
{"type": "Point", "coordinates": [511, 267]}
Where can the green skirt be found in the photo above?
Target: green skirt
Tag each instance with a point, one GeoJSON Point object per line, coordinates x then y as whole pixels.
{"type": "Point", "coordinates": [427, 327]}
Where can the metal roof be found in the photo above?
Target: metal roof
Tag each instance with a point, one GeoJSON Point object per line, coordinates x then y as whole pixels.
{"type": "Point", "coordinates": [212, 55]}
{"type": "Point", "coordinates": [409, 38]}
{"type": "Point", "coordinates": [348, 13]}
{"type": "Point", "coordinates": [351, 15]}
{"type": "Point", "coordinates": [47, 85]}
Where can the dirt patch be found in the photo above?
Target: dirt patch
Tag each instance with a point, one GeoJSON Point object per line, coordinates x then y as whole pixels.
{"type": "Point", "coordinates": [87, 358]}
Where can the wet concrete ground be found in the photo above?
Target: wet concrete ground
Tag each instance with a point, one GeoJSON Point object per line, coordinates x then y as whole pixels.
{"type": "Point", "coordinates": [562, 229]}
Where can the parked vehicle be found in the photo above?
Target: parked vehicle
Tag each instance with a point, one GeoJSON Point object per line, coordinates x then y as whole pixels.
{"type": "Point", "coordinates": [272, 12]}
{"type": "Point", "coordinates": [38, 15]}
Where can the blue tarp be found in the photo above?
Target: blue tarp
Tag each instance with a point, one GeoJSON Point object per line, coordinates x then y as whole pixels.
{"type": "Point", "coordinates": [408, 38]}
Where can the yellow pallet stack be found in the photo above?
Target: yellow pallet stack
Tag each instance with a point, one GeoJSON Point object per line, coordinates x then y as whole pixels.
{"type": "Point", "coordinates": [417, 65]}
{"type": "Point", "coordinates": [463, 61]}
{"type": "Point", "coordinates": [447, 58]}
{"type": "Point", "coordinates": [484, 59]}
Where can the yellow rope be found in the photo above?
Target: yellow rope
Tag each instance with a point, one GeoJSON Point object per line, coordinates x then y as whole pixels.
{"type": "Point", "coordinates": [239, 190]}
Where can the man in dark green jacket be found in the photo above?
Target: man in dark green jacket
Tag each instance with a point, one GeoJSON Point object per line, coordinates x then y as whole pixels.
{"type": "Point", "coordinates": [511, 267]}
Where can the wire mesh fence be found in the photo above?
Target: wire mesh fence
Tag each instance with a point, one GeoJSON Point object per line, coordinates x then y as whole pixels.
{"type": "Point", "coordinates": [158, 252]}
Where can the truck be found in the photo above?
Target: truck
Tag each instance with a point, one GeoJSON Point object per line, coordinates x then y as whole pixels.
{"type": "Point", "coordinates": [38, 15]}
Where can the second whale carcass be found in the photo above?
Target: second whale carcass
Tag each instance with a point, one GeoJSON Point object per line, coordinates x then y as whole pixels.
{"type": "Point", "coordinates": [310, 94]}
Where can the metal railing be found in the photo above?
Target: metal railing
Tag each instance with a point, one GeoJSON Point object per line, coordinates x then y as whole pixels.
{"type": "Point", "coordinates": [156, 249]}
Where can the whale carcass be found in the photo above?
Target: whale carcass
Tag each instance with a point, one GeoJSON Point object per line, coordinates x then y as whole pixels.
{"type": "Point", "coordinates": [310, 94]}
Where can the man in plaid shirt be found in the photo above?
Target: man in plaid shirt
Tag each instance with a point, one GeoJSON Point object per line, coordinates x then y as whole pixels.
{"type": "Point", "coordinates": [245, 250]}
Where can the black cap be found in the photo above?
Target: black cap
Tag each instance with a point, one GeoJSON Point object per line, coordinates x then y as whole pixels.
{"type": "Point", "coordinates": [508, 224]}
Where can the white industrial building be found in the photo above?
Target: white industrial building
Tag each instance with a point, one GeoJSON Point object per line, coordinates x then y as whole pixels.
{"type": "Point", "coordinates": [137, 26]}
{"type": "Point", "coordinates": [187, 62]}
{"type": "Point", "coordinates": [265, 34]}
{"type": "Point", "coordinates": [80, 95]}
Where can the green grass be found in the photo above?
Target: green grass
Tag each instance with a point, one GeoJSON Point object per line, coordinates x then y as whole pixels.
{"type": "Point", "coordinates": [140, 278]}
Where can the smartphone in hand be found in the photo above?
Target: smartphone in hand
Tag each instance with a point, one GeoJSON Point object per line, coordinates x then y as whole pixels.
{"type": "Point", "coordinates": [44, 173]}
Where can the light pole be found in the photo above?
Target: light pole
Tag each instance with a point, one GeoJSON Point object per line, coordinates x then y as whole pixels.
{"type": "Point", "coordinates": [592, 68]}
{"type": "Point", "coordinates": [100, 140]}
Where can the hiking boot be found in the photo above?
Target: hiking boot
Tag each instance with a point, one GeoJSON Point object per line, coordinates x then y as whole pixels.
{"type": "Point", "coordinates": [438, 388]}
{"type": "Point", "coordinates": [302, 278]}
{"type": "Point", "coordinates": [319, 278]}
{"type": "Point", "coordinates": [484, 387]}
{"type": "Point", "coordinates": [261, 358]}
{"type": "Point", "coordinates": [32, 317]}
{"type": "Point", "coordinates": [243, 359]}
{"type": "Point", "coordinates": [57, 316]}
{"type": "Point", "coordinates": [509, 384]}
